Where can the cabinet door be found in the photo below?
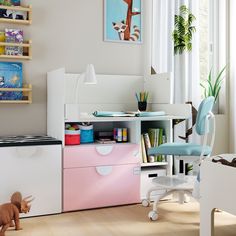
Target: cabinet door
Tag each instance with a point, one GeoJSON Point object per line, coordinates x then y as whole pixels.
{"type": "Point", "coordinates": [32, 170]}
{"type": "Point", "coordinates": [101, 186]}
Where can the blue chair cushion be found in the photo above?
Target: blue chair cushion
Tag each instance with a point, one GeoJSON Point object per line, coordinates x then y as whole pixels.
{"type": "Point", "coordinates": [179, 149]}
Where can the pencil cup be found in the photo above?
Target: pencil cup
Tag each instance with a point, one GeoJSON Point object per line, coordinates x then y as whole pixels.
{"type": "Point", "coordinates": [142, 106]}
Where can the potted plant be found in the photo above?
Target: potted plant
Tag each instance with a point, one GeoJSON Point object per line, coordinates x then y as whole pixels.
{"type": "Point", "coordinates": [183, 31]}
{"type": "Point", "coordinates": [212, 87]}
{"type": "Point", "coordinates": [182, 36]}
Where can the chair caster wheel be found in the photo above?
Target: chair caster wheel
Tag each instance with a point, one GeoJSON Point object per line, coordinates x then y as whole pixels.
{"type": "Point", "coordinates": [186, 199]}
{"type": "Point", "coordinates": [145, 202]}
{"type": "Point", "coordinates": [153, 215]}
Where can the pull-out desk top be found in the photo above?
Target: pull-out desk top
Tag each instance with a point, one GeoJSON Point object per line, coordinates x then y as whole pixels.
{"type": "Point", "coordinates": [91, 118]}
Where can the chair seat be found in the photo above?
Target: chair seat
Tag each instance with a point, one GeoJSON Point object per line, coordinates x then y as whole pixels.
{"type": "Point", "coordinates": [175, 182]}
{"type": "Point", "coordinates": [179, 149]}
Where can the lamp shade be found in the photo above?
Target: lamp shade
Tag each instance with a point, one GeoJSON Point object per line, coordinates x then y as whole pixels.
{"type": "Point", "coordinates": [90, 76]}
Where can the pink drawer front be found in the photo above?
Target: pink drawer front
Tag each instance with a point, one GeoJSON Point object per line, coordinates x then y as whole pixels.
{"type": "Point", "coordinates": [101, 186]}
{"type": "Point", "coordinates": [95, 155]}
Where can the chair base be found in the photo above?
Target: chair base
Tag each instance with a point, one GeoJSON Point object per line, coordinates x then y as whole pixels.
{"type": "Point", "coordinates": [183, 186]}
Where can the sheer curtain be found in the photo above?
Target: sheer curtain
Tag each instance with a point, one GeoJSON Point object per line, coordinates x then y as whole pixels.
{"type": "Point", "coordinates": [185, 67]}
{"type": "Point", "coordinates": [232, 83]}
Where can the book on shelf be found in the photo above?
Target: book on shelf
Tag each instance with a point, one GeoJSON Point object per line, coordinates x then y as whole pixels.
{"type": "Point", "coordinates": [14, 36]}
{"type": "Point", "coordinates": [2, 39]}
{"type": "Point", "coordinates": [11, 77]}
{"type": "Point", "coordinates": [105, 141]}
{"type": "Point", "coordinates": [16, 2]}
{"type": "Point", "coordinates": [153, 138]}
{"type": "Point", "coordinates": [5, 2]}
{"type": "Point", "coordinates": [143, 149]}
{"type": "Point", "coordinates": [147, 142]}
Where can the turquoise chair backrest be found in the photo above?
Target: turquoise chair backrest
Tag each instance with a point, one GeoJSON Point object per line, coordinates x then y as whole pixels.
{"type": "Point", "coordinates": [203, 110]}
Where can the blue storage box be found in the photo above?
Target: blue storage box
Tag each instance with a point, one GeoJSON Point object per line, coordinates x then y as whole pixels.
{"type": "Point", "coordinates": [86, 134]}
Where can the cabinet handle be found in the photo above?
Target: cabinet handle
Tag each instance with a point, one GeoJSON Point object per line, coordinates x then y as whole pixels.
{"type": "Point", "coordinates": [104, 170]}
{"type": "Point", "coordinates": [27, 151]}
{"type": "Point", "coordinates": [104, 150]}
{"type": "Point", "coordinates": [152, 175]}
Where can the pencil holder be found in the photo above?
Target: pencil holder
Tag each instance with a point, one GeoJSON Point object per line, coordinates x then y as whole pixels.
{"type": "Point", "coordinates": [142, 106]}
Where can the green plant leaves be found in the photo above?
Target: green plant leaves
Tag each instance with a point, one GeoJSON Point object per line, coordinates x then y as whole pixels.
{"type": "Point", "coordinates": [213, 87]}
{"type": "Point", "coordinates": [184, 30]}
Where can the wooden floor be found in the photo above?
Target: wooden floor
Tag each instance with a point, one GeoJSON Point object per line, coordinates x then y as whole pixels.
{"type": "Point", "coordinates": [175, 220]}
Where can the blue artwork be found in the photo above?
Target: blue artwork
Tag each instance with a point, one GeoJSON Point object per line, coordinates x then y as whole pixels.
{"type": "Point", "coordinates": [11, 77]}
{"type": "Point", "coordinates": [122, 20]}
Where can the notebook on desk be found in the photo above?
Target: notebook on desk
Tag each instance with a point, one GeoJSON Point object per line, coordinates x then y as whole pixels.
{"type": "Point", "coordinates": [128, 113]}
{"type": "Point", "coordinates": [147, 113]}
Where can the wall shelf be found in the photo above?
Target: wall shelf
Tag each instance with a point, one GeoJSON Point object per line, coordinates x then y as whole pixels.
{"type": "Point", "coordinates": [27, 95]}
{"type": "Point", "coordinates": [27, 9]}
{"type": "Point", "coordinates": [27, 50]}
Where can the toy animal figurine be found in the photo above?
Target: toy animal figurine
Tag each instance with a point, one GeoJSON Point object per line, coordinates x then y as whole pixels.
{"type": "Point", "coordinates": [9, 212]}
{"type": "Point", "coordinates": [13, 14]}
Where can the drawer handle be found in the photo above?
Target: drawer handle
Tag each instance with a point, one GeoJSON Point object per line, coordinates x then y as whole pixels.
{"type": "Point", "coordinates": [104, 170]}
{"type": "Point", "coordinates": [152, 175]}
{"type": "Point", "coordinates": [104, 150]}
{"type": "Point", "coordinates": [27, 151]}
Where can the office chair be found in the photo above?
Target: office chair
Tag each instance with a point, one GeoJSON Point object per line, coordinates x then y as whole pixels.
{"type": "Point", "coordinates": [185, 153]}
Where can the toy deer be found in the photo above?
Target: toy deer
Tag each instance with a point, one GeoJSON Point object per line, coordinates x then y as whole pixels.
{"type": "Point", "coordinates": [9, 212]}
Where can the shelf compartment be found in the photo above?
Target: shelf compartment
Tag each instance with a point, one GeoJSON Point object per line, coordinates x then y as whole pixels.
{"type": "Point", "coordinates": [27, 95]}
{"type": "Point", "coordinates": [27, 9]}
{"type": "Point", "coordinates": [27, 50]}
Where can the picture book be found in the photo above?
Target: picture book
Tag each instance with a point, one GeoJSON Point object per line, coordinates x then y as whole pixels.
{"type": "Point", "coordinates": [144, 154]}
{"type": "Point", "coordinates": [2, 39]}
{"type": "Point", "coordinates": [11, 76]}
{"type": "Point", "coordinates": [6, 2]}
{"type": "Point", "coordinates": [147, 143]}
{"type": "Point", "coordinates": [15, 2]}
{"type": "Point", "coordinates": [14, 36]}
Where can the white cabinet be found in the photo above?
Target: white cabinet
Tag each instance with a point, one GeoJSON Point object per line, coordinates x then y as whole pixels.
{"type": "Point", "coordinates": [32, 170]}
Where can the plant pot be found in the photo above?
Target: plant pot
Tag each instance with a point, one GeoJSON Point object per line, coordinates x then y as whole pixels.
{"type": "Point", "coordinates": [142, 106]}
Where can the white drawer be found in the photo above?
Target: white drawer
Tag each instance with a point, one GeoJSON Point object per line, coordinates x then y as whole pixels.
{"type": "Point", "coordinates": [147, 176]}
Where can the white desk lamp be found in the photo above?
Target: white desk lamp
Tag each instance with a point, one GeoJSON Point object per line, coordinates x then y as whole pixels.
{"type": "Point", "coordinates": [89, 77]}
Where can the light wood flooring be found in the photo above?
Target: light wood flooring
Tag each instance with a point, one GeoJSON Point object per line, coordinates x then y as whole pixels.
{"type": "Point", "coordinates": [132, 220]}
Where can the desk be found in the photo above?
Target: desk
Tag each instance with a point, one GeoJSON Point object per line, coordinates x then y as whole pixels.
{"type": "Point", "coordinates": [217, 192]}
{"type": "Point", "coordinates": [68, 98]}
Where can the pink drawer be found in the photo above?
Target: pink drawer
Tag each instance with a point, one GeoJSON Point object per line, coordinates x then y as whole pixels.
{"type": "Point", "coordinates": [101, 186]}
{"type": "Point", "coordinates": [95, 155]}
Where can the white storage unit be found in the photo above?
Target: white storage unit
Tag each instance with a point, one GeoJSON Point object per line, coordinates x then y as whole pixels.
{"type": "Point", "coordinates": [68, 102]}
{"type": "Point", "coordinates": [33, 170]}
{"type": "Point", "coordinates": [147, 175]}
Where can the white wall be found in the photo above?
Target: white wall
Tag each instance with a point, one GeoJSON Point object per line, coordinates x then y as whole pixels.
{"type": "Point", "coordinates": [65, 34]}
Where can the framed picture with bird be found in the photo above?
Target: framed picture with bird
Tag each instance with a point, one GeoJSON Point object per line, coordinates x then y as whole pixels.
{"type": "Point", "coordinates": [123, 21]}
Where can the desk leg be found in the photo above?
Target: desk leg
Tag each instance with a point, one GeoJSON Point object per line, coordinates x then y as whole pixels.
{"type": "Point", "coordinates": [206, 221]}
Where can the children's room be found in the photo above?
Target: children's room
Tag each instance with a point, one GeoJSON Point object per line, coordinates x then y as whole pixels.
{"type": "Point", "coordinates": [117, 117]}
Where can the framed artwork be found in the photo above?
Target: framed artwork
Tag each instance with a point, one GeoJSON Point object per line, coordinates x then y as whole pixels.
{"type": "Point", "coordinates": [123, 21]}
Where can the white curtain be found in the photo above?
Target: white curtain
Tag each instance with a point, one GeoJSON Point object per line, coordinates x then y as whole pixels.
{"type": "Point", "coordinates": [232, 85]}
{"type": "Point", "coordinates": [186, 66]}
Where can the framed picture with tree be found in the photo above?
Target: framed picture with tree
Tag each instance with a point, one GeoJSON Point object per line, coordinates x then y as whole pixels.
{"type": "Point", "coordinates": [123, 21]}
